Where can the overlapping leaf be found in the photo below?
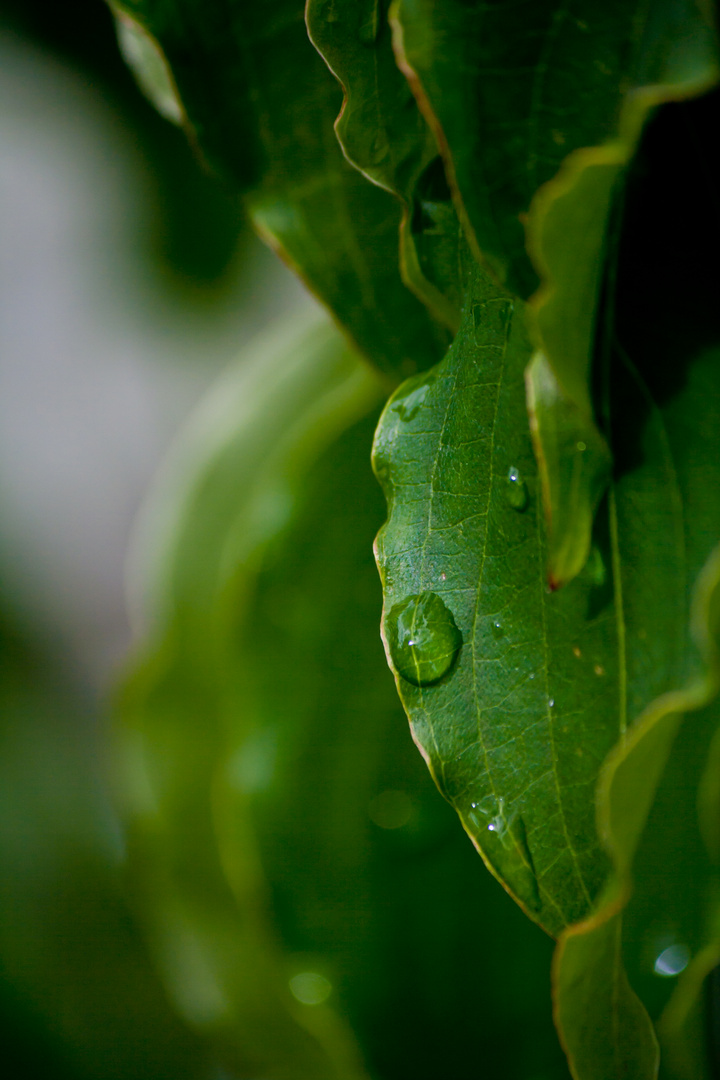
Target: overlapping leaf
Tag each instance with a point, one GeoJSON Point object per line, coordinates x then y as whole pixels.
{"type": "Point", "coordinates": [511, 102]}
{"type": "Point", "coordinates": [260, 104]}
{"type": "Point", "coordinates": [383, 133]}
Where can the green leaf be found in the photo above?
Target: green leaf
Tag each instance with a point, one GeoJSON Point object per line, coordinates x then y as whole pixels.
{"type": "Point", "coordinates": [383, 133]}
{"type": "Point", "coordinates": [555, 110]}
{"type": "Point", "coordinates": [515, 729]}
{"type": "Point", "coordinates": [604, 1028]}
{"type": "Point", "coordinates": [259, 104]}
{"type": "Point", "coordinates": [214, 943]}
{"type": "Point", "coordinates": [510, 96]}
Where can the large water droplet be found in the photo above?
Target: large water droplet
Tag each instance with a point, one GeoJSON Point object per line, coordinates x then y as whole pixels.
{"type": "Point", "coordinates": [502, 837]}
{"type": "Point", "coordinates": [516, 491]}
{"type": "Point", "coordinates": [423, 637]}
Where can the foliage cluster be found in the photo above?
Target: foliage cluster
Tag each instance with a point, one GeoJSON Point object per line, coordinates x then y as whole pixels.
{"type": "Point", "coordinates": [507, 209]}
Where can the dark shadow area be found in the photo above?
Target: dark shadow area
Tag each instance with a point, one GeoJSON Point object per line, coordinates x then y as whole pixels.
{"type": "Point", "coordinates": [667, 301]}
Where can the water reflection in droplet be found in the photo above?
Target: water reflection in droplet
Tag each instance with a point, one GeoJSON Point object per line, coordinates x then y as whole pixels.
{"type": "Point", "coordinates": [516, 492]}
{"type": "Point", "coordinates": [423, 637]}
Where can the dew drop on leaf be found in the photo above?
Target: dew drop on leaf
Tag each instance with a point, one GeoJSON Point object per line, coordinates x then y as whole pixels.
{"type": "Point", "coordinates": [497, 630]}
{"type": "Point", "coordinates": [516, 491]}
{"type": "Point", "coordinates": [502, 837]}
{"type": "Point", "coordinates": [423, 637]}
{"type": "Point", "coordinates": [411, 396]}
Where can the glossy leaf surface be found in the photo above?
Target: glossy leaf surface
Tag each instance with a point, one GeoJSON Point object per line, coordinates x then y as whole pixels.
{"type": "Point", "coordinates": [260, 105]}
{"type": "Point", "coordinates": [495, 729]}
{"type": "Point", "coordinates": [516, 730]}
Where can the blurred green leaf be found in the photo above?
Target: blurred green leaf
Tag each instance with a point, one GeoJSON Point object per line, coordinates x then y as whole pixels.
{"type": "Point", "coordinates": [74, 969]}
{"type": "Point", "coordinates": [229, 489]}
{"type": "Point", "coordinates": [274, 794]}
{"type": "Point", "coordinates": [260, 105]}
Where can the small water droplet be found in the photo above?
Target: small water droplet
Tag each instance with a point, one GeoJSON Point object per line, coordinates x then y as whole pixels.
{"type": "Point", "coordinates": [551, 703]}
{"type": "Point", "coordinates": [423, 637]}
{"type": "Point", "coordinates": [410, 397]}
{"type": "Point", "coordinates": [497, 630]}
{"type": "Point", "coordinates": [502, 837]}
{"type": "Point", "coordinates": [531, 675]}
{"type": "Point", "coordinates": [581, 446]}
{"type": "Point", "coordinates": [443, 576]}
{"type": "Point", "coordinates": [516, 491]}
